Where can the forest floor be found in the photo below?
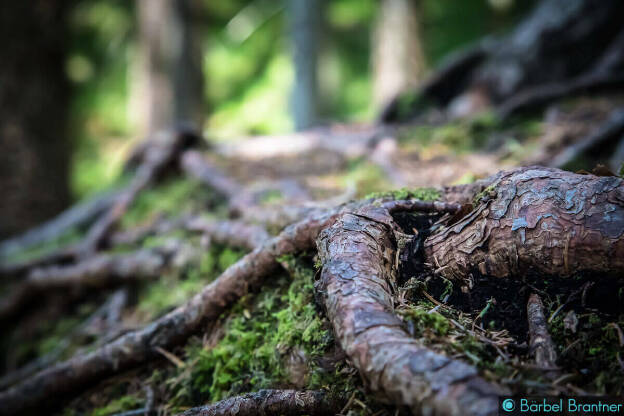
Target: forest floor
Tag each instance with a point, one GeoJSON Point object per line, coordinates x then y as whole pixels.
{"type": "Point", "coordinates": [279, 337]}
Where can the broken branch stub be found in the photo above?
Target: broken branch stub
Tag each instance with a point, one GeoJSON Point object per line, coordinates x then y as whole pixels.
{"type": "Point", "coordinates": [536, 220]}
{"type": "Point", "coordinates": [358, 254]}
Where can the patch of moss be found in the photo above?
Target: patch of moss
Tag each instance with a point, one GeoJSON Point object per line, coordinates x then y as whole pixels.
{"type": "Point", "coordinates": [261, 336]}
{"type": "Point", "coordinates": [176, 287]}
{"type": "Point", "coordinates": [488, 193]}
{"type": "Point", "coordinates": [168, 198]}
{"type": "Point", "coordinates": [365, 176]}
{"type": "Point", "coordinates": [121, 404]}
{"type": "Point", "coordinates": [424, 320]}
{"type": "Point", "coordinates": [424, 194]}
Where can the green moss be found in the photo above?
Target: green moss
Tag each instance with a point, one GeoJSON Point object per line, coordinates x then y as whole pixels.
{"type": "Point", "coordinates": [121, 404]}
{"type": "Point", "coordinates": [260, 336]}
{"type": "Point", "coordinates": [175, 288]}
{"type": "Point", "coordinates": [168, 198]}
{"type": "Point", "coordinates": [364, 176]}
{"type": "Point", "coordinates": [424, 194]}
{"type": "Point", "coordinates": [488, 193]}
{"type": "Point", "coordinates": [424, 320]}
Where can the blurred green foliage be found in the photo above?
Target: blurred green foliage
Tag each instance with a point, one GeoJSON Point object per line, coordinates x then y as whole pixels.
{"type": "Point", "coordinates": [247, 67]}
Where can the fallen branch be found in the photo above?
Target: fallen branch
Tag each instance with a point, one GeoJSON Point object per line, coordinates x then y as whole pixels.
{"type": "Point", "coordinates": [358, 256]}
{"type": "Point", "coordinates": [540, 342]}
{"type": "Point", "coordinates": [272, 402]}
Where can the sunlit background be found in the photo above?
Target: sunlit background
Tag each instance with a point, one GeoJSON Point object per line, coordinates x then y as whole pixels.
{"type": "Point", "coordinates": [246, 49]}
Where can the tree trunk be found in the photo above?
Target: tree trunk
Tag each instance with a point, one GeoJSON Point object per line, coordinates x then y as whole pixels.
{"type": "Point", "coordinates": [305, 19]}
{"type": "Point", "coordinates": [398, 58]}
{"type": "Point", "coordinates": [34, 97]}
{"type": "Point", "coordinates": [170, 79]}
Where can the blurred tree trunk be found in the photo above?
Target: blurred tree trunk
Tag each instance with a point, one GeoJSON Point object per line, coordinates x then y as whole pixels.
{"type": "Point", "coordinates": [398, 58]}
{"type": "Point", "coordinates": [34, 96]}
{"type": "Point", "coordinates": [305, 20]}
{"type": "Point", "coordinates": [169, 77]}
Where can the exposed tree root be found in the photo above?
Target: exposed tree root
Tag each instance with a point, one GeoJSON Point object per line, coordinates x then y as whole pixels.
{"type": "Point", "coordinates": [137, 347]}
{"type": "Point", "coordinates": [100, 270]}
{"type": "Point", "coordinates": [103, 270]}
{"type": "Point", "coordinates": [195, 165]}
{"type": "Point", "coordinates": [77, 216]}
{"type": "Point", "coordinates": [111, 310]}
{"type": "Point", "coordinates": [272, 402]}
{"type": "Point", "coordinates": [545, 94]}
{"type": "Point", "coordinates": [540, 220]}
{"type": "Point", "coordinates": [540, 342]}
{"type": "Point", "coordinates": [358, 254]}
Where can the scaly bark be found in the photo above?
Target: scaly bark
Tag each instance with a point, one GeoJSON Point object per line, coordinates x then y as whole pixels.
{"type": "Point", "coordinates": [539, 220]}
{"type": "Point", "coordinates": [272, 402]}
{"type": "Point", "coordinates": [358, 254]}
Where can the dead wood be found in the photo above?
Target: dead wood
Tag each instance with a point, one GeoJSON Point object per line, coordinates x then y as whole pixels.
{"type": "Point", "coordinates": [272, 402]}
{"type": "Point", "coordinates": [540, 342]}
{"type": "Point", "coordinates": [358, 254]}
{"type": "Point", "coordinates": [536, 220]}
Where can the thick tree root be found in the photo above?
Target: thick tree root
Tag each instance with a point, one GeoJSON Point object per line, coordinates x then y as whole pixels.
{"type": "Point", "coordinates": [540, 342]}
{"type": "Point", "coordinates": [539, 220]}
{"type": "Point", "coordinates": [272, 402]}
{"type": "Point", "coordinates": [358, 254]}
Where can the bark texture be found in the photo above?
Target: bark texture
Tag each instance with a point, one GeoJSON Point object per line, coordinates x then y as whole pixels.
{"type": "Point", "coordinates": [358, 254]}
{"type": "Point", "coordinates": [539, 220]}
{"type": "Point", "coordinates": [271, 402]}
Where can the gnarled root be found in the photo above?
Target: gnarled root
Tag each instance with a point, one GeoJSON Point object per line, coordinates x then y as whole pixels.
{"type": "Point", "coordinates": [540, 220]}
{"type": "Point", "coordinates": [358, 256]}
